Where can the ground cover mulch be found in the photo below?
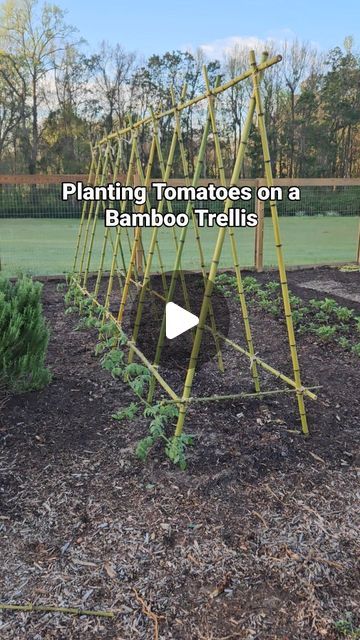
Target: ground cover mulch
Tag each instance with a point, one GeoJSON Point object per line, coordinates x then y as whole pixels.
{"type": "Point", "coordinates": [257, 539]}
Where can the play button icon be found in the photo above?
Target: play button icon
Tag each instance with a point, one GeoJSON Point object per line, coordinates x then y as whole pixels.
{"type": "Point", "coordinates": [178, 320]}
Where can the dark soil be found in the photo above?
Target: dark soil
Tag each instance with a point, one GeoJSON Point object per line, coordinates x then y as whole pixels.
{"type": "Point", "coordinates": [257, 539]}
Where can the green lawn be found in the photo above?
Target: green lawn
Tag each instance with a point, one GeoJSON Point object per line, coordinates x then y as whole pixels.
{"type": "Point", "coordinates": [46, 246]}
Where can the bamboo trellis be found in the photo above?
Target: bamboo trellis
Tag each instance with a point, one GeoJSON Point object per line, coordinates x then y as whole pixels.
{"type": "Point", "coordinates": [132, 263]}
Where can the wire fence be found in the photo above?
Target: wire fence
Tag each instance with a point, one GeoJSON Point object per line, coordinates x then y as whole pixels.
{"type": "Point", "coordinates": [41, 197]}
{"type": "Point", "coordinates": [37, 197]}
{"type": "Point", "coordinates": [38, 229]}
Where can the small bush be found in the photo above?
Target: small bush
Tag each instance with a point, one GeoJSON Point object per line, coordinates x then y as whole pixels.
{"type": "Point", "coordinates": [24, 336]}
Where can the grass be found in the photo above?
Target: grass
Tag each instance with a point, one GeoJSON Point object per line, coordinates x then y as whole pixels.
{"type": "Point", "coordinates": [46, 246]}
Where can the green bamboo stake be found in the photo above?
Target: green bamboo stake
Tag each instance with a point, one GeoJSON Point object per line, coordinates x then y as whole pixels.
{"type": "Point", "coordinates": [236, 262]}
{"type": "Point", "coordinates": [115, 168]}
{"type": "Point", "coordinates": [96, 214]}
{"type": "Point", "coordinates": [235, 396]}
{"type": "Point", "coordinates": [112, 170]}
{"type": "Point", "coordinates": [132, 262]}
{"type": "Point", "coordinates": [117, 244]}
{"type": "Point", "coordinates": [182, 238]}
{"type": "Point", "coordinates": [49, 609]}
{"type": "Point", "coordinates": [146, 181]}
{"type": "Point", "coordinates": [134, 134]}
{"type": "Point", "coordinates": [119, 273]}
{"type": "Point", "coordinates": [91, 209]}
{"type": "Point", "coordinates": [119, 142]}
{"type": "Point", "coordinates": [153, 241]}
{"type": "Point", "coordinates": [210, 283]}
{"type": "Point", "coordinates": [170, 207]}
{"type": "Point", "coordinates": [84, 208]}
{"type": "Point", "coordinates": [278, 245]}
{"type": "Point", "coordinates": [197, 235]}
{"type": "Point", "coordinates": [140, 176]}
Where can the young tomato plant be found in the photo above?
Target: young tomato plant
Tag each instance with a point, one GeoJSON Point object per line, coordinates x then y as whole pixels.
{"type": "Point", "coordinates": [126, 413]}
{"type": "Point", "coordinates": [175, 447]}
{"type": "Point", "coordinates": [113, 361]}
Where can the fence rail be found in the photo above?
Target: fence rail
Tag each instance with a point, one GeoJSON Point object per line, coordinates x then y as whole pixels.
{"type": "Point", "coordinates": [43, 178]}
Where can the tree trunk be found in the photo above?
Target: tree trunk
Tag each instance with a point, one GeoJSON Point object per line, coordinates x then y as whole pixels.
{"type": "Point", "coordinates": [292, 129]}
{"type": "Point", "coordinates": [35, 133]}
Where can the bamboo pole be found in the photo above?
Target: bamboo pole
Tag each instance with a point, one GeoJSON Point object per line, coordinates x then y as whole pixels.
{"type": "Point", "coordinates": [193, 101]}
{"type": "Point", "coordinates": [115, 168]}
{"type": "Point", "coordinates": [235, 396]}
{"type": "Point", "coordinates": [212, 275]}
{"type": "Point", "coordinates": [44, 608]}
{"type": "Point", "coordinates": [278, 245]}
{"type": "Point", "coordinates": [146, 182]}
{"type": "Point", "coordinates": [120, 273]}
{"type": "Point", "coordinates": [91, 209]}
{"type": "Point", "coordinates": [131, 267]}
{"type": "Point", "coordinates": [169, 204]}
{"type": "Point", "coordinates": [84, 207]}
{"type": "Point", "coordinates": [115, 177]}
{"type": "Point", "coordinates": [139, 256]}
{"type": "Point", "coordinates": [151, 250]}
{"type": "Point", "coordinates": [234, 251]}
{"type": "Point", "coordinates": [177, 263]}
{"type": "Point", "coordinates": [197, 232]}
{"type": "Point", "coordinates": [96, 214]}
{"type": "Point", "coordinates": [140, 179]}
{"type": "Point", "coordinates": [117, 244]}
{"type": "Point", "coordinates": [259, 234]}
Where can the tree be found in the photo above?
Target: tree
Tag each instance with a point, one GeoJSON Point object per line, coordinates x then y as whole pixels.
{"type": "Point", "coordinates": [10, 114]}
{"type": "Point", "coordinates": [64, 145]}
{"type": "Point", "coordinates": [340, 102]}
{"type": "Point", "coordinates": [31, 40]}
{"type": "Point", "coordinates": [113, 67]}
{"type": "Point", "coordinates": [236, 62]}
{"type": "Point", "coordinates": [296, 60]}
{"type": "Point", "coordinates": [151, 88]}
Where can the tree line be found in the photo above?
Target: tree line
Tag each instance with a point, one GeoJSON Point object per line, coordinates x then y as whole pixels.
{"type": "Point", "coordinates": [55, 97]}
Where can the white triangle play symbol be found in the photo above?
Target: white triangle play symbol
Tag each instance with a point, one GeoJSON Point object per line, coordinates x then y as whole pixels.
{"type": "Point", "coordinates": [178, 320]}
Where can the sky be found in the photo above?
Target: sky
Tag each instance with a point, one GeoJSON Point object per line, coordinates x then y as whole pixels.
{"type": "Point", "coordinates": [156, 26]}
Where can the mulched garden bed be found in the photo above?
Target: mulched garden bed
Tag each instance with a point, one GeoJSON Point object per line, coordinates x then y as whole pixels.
{"type": "Point", "coordinates": [257, 539]}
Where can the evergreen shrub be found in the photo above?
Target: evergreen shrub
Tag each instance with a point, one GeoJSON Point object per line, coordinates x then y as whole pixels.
{"type": "Point", "coordinates": [24, 336]}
